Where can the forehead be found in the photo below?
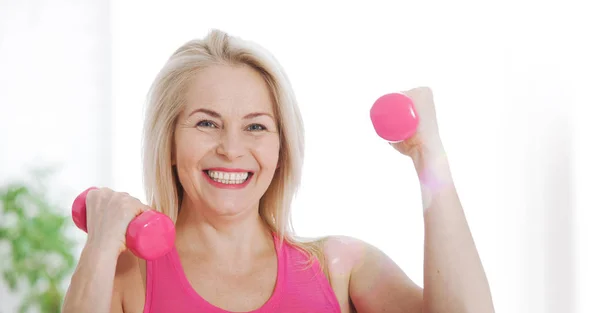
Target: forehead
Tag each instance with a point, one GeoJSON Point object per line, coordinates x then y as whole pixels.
{"type": "Point", "coordinates": [229, 90]}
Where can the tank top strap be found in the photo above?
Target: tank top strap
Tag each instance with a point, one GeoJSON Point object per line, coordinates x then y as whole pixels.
{"type": "Point", "coordinates": [161, 279]}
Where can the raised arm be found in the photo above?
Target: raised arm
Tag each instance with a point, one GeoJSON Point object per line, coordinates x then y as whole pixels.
{"type": "Point", "coordinates": [454, 278]}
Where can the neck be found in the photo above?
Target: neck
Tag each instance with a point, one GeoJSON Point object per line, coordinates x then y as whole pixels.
{"type": "Point", "coordinates": [223, 239]}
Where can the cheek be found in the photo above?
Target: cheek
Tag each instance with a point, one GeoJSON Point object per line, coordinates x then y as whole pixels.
{"type": "Point", "coordinates": [268, 153]}
{"type": "Point", "coordinates": [185, 154]}
{"type": "Point", "coordinates": [190, 147]}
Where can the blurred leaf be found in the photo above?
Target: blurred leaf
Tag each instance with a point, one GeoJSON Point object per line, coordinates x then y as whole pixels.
{"type": "Point", "coordinates": [28, 302]}
{"type": "Point", "coordinates": [11, 279]}
{"type": "Point", "coordinates": [40, 255]}
{"type": "Point", "coordinates": [4, 233]}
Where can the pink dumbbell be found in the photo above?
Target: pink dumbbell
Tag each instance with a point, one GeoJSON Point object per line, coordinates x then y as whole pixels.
{"type": "Point", "coordinates": [394, 117]}
{"type": "Point", "coordinates": [149, 236]}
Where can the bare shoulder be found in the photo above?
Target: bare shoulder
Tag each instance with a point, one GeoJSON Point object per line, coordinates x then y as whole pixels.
{"type": "Point", "coordinates": [352, 255]}
{"type": "Point", "coordinates": [129, 288]}
{"type": "Point", "coordinates": [375, 282]}
{"type": "Point", "coordinates": [342, 253]}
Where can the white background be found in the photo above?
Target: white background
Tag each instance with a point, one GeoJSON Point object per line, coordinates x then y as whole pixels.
{"type": "Point", "coordinates": [514, 85]}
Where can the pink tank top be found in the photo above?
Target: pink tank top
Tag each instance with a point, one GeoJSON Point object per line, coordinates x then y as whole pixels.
{"type": "Point", "coordinates": [298, 289]}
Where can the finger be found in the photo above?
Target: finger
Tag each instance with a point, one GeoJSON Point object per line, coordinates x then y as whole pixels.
{"type": "Point", "coordinates": [93, 196]}
{"type": "Point", "coordinates": [419, 93]}
{"type": "Point", "coordinates": [139, 207]}
{"type": "Point", "coordinates": [145, 208]}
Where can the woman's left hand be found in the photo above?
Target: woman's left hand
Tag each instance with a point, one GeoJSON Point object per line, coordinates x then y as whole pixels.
{"type": "Point", "coordinates": [427, 137]}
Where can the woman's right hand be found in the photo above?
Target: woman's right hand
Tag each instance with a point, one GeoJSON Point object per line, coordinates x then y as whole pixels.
{"type": "Point", "coordinates": [108, 215]}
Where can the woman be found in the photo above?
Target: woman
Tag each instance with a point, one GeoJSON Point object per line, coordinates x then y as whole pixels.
{"type": "Point", "coordinates": [223, 150]}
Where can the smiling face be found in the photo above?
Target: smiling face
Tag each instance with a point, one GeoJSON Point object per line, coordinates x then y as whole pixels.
{"type": "Point", "coordinates": [226, 140]}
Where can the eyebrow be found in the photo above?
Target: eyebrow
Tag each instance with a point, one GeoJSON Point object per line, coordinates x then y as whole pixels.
{"type": "Point", "coordinates": [217, 115]}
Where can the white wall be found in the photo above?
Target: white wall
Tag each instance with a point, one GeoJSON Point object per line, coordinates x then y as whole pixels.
{"type": "Point", "coordinates": [54, 97]}
{"type": "Point", "coordinates": [516, 69]}
{"type": "Point", "coordinates": [585, 74]}
{"type": "Point", "coordinates": [499, 66]}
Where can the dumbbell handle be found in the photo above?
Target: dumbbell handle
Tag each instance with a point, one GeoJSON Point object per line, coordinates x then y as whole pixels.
{"type": "Point", "coordinates": [149, 236]}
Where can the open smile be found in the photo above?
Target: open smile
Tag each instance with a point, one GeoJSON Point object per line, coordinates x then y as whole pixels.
{"type": "Point", "coordinates": [228, 178]}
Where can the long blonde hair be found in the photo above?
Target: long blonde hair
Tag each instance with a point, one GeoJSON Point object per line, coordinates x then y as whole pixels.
{"type": "Point", "coordinates": [166, 100]}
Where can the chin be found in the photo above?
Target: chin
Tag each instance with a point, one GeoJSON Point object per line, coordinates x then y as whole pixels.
{"type": "Point", "coordinates": [231, 208]}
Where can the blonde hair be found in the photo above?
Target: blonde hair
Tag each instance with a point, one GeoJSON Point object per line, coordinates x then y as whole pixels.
{"type": "Point", "coordinates": [166, 100]}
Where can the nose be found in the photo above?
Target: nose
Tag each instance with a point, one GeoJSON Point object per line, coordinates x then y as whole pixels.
{"type": "Point", "coordinates": [231, 144]}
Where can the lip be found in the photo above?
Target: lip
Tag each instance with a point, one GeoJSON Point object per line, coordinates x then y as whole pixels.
{"type": "Point", "coordinates": [227, 186]}
{"type": "Point", "coordinates": [228, 170]}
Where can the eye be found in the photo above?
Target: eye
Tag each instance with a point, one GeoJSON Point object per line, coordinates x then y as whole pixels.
{"type": "Point", "coordinates": [206, 123]}
{"type": "Point", "coordinates": [256, 127]}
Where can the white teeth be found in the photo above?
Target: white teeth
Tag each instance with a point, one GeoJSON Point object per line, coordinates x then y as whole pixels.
{"type": "Point", "coordinates": [228, 178]}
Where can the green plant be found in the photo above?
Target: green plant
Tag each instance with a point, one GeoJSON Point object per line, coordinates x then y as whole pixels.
{"type": "Point", "coordinates": [40, 255]}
